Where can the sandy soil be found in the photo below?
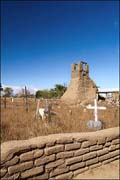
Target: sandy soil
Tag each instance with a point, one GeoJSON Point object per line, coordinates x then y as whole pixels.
{"type": "Point", "coordinates": [108, 171]}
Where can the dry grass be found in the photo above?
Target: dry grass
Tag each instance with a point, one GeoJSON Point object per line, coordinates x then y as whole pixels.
{"type": "Point", "coordinates": [18, 124]}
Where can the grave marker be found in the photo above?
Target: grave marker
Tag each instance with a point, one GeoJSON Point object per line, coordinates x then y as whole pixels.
{"type": "Point", "coordinates": [95, 123]}
{"type": "Point", "coordinates": [43, 111]}
{"type": "Point", "coordinates": [47, 110]}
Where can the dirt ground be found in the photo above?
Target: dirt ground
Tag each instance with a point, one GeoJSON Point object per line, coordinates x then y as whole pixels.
{"type": "Point", "coordinates": [108, 171]}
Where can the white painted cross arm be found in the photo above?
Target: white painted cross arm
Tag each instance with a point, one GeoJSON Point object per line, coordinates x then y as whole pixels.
{"type": "Point", "coordinates": [93, 107]}
{"type": "Point", "coordinates": [96, 108]}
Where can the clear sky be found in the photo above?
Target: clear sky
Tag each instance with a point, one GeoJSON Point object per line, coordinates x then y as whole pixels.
{"type": "Point", "coordinates": [40, 40]}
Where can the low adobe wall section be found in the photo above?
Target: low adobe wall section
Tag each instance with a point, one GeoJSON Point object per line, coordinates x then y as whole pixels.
{"type": "Point", "coordinates": [58, 156]}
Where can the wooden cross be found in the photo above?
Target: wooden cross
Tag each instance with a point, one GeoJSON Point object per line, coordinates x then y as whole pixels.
{"type": "Point", "coordinates": [43, 111]}
{"type": "Point", "coordinates": [46, 105]}
{"type": "Point", "coordinates": [48, 110]}
{"type": "Point", "coordinates": [96, 108]}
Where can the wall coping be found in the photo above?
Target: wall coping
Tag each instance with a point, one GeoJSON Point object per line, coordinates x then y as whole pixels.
{"type": "Point", "coordinates": [10, 147]}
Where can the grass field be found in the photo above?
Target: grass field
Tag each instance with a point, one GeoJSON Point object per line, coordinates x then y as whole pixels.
{"type": "Point", "coordinates": [18, 124]}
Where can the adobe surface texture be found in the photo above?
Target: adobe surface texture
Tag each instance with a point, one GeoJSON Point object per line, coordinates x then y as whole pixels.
{"type": "Point", "coordinates": [107, 171]}
{"type": "Point", "coordinates": [81, 87]}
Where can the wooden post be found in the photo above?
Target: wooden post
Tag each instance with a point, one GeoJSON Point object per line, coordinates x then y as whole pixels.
{"type": "Point", "coordinates": [5, 104]}
{"type": "Point", "coordinates": [48, 110]}
{"type": "Point", "coordinates": [49, 113]}
{"type": "Point", "coordinates": [26, 100]}
{"type": "Point", "coordinates": [37, 109]}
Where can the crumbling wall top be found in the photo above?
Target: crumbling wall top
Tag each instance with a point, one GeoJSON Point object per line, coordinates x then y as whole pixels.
{"type": "Point", "coordinates": [79, 68]}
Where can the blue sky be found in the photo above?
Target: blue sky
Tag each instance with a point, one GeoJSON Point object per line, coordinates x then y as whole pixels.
{"type": "Point", "coordinates": [40, 40]}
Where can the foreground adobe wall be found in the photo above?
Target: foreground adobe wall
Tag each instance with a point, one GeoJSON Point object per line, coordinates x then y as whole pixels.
{"type": "Point", "coordinates": [58, 156]}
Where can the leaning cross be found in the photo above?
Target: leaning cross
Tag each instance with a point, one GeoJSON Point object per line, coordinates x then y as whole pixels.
{"type": "Point", "coordinates": [96, 108]}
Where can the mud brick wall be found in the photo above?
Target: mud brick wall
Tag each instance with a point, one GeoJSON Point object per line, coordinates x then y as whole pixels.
{"type": "Point", "coordinates": [58, 156]}
{"type": "Point", "coordinates": [81, 86]}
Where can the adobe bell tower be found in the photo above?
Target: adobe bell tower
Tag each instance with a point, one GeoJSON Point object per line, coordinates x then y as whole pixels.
{"type": "Point", "coordinates": [81, 87]}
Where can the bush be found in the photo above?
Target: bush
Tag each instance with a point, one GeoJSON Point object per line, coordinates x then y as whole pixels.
{"type": "Point", "coordinates": [58, 91]}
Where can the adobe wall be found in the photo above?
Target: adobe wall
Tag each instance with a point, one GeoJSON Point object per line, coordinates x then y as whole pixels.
{"type": "Point", "coordinates": [58, 156]}
{"type": "Point", "coordinates": [81, 87]}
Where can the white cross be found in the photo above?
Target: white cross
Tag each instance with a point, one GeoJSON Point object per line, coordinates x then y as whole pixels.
{"type": "Point", "coordinates": [96, 108]}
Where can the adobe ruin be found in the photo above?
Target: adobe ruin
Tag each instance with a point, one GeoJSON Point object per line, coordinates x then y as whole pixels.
{"type": "Point", "coordinates": [81, 87]}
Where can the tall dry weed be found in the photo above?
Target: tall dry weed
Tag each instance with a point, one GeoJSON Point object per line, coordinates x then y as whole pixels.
{"type": "Point", "coordinates": [18, 124]}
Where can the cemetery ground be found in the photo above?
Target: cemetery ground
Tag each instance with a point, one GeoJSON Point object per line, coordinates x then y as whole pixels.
{"type": "Point", "coordinates": [18, 124]}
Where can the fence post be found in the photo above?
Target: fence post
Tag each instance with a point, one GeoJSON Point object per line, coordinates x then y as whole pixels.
{"type": "Point", "coordinates": [26, 100]}
{"type": "Point", "coordinates": [5, 104]}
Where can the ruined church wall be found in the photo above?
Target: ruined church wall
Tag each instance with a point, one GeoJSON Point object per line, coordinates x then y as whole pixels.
{"type": "Point", "coordinates": [58, 156]}
{"type": "Point", "coordinates": [81, 87]}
